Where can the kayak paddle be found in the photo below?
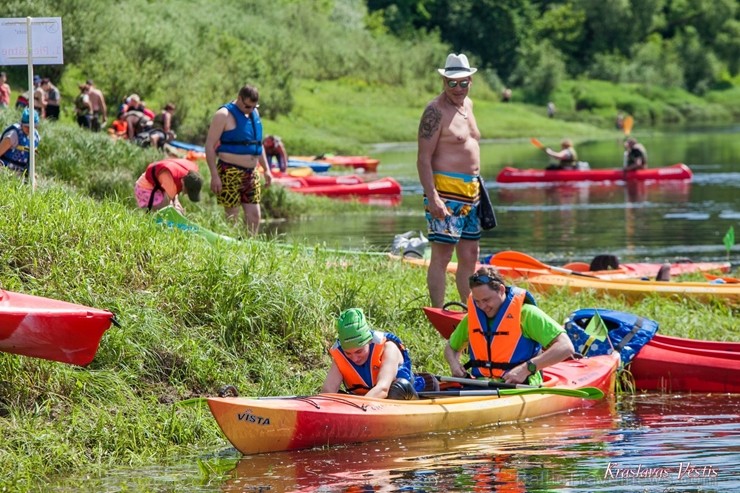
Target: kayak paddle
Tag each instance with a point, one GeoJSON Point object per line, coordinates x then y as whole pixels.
{"type": "Point", "coordinates": [472, 382]}
{"type": "Point", "coordinates": [582, 393]}
{"type": "Point", "coordinates": [627, 125]}
{"type": "Point", "coordinates": [537, 143]}
{"type": "Point", "coordinates": [514, 259]}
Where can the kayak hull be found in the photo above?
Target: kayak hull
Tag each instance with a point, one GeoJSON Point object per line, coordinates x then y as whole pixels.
{"type": "Point", "coordinates": [170, 217]}
{"type": "Point", "coordinates": [636, 289]}
{"type": "Point", "coordinates": [383, 186]}
{"type": "Point", "coordinates": [366, 163]}
{"type": "Point", "coordinates": [317, 166]}
{"type": "Point", "coordinates": [287, 180]}
{"type": "Point", "coordinates": [289, 423]}
{"type": "Point", "coordinates": [625, 271]}
{"type": "Point", "coordinates": [673, 364]}
{"type": "Point", "coordinates": [665, 363]}
{"type": "Point", "coordinates": [514, 175]}
{"type": "Point", "coordinates": [51, 329]}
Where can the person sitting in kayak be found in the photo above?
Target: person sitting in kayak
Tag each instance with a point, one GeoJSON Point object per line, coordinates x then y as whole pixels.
{"type": "Point", "coordinates": [162, 182]}
{"type": "Point", "coordinates": [504, 332]}
{"type": "Point", "coordinates": [15, 143]}
{"type": "Point", "coordinates": [368, 362]}
{"type": "Point", "coordinates": [567, 158]}
{"type": "Point", "coordinates": [635, 155]}
{"type": "Point", "coordinates": [274, 147]}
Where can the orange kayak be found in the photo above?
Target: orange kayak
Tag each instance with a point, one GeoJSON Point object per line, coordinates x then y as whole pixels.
{"type": "Point", "coordinates": [271, 424]}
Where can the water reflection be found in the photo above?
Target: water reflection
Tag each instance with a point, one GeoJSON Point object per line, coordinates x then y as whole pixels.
{"type": "Point", "coordinates": [479, 460]}
{"type": "Point", "coordinates": [640, 221]}
{"type": "Point", "coordinates": [651, 442]}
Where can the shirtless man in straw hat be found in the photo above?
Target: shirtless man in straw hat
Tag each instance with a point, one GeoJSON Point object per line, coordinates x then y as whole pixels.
{"type": "Point", "coordinates": [448, 163]}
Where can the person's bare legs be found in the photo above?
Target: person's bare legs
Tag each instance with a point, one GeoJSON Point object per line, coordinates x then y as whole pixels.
{"type": "Point", "coordinates": [437, 272]}
{"type": "Point", "coordinates": [232, 214]}
{"type": "Point", "coordinates": [252, 217]}
{"type": "Point", "coordinates": [468, 252]}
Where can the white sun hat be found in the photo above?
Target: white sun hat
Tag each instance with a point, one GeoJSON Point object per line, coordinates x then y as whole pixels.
{"type": "Point", "coordinates": [456, 67]}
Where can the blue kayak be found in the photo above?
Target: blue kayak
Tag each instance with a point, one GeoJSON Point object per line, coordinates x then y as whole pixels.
{"type": "Point", "coordinates": [187, 146]}
{"type": "Point", "coordinates": [317, 166]}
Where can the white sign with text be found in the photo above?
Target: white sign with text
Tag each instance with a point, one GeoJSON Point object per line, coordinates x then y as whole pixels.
{"type": "Point", "coordinates": [46, 40]}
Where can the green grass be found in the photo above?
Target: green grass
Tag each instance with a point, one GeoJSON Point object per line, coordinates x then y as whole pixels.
{"type": "Point", "coordinates": [195, 316]}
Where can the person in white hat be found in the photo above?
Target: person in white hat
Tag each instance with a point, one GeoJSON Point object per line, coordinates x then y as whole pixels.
{"type": "Point", "coordinates": [448, 163]}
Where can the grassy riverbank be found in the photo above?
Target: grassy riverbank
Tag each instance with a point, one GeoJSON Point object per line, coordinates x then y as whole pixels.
{"type": "Point", "coordinates": [195, 316]}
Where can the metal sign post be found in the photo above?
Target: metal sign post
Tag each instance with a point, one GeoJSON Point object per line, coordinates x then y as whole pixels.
{"type": "Point", "coordinates": [29, 41]}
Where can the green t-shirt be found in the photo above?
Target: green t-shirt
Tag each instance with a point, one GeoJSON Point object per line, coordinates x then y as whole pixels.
{"type": "Point", "coordinates": [536, 325]}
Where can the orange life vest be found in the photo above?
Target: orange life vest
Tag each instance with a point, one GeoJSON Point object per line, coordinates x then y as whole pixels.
{"type": "Point", "coordinates": [354, 382]}
{"type": "Point", "coordinates": [495, 350]}
{"type": "Point", "coordinates": [359, 379]}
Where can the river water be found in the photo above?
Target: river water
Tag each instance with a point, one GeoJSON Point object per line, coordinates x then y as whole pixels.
{"type": "Point", "coordinates": [666, 443]}
{"type": "Point", "coordinates": [645, 221]}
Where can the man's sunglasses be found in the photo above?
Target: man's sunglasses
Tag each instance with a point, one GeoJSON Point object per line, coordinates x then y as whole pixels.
{"type": "Point", "coordinates": [453, 83]}
{"type": "Point", "coordinates": [483, 279]}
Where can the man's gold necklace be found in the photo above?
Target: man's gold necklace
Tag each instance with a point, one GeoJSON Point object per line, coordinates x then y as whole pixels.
{"type": "Point", "coordinates": [464, 114]}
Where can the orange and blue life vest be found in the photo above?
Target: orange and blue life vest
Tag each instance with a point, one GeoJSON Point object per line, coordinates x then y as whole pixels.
{"type": "Point", "coordinates": [17, 157]}
{"type": "Point", "coordinates": [359, 379]}
{"type": "Point", "coordinates": [500, 346]}
{"type": "Point", "coordinates": [246, 137]}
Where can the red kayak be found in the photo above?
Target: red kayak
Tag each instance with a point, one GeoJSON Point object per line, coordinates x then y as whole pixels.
{"type": "Point", "coordinates": [670, 364]}
{"type": "Point", "coordinates": [51, 329]}
{"type": "Point", "coordinates": [383, 186]}
{"type": "Point", "coordinates": [514, 175]}
{"type": "Point", "coordinates": [674, 364]}
{"type": "Point", "coordinates": [314, 180]}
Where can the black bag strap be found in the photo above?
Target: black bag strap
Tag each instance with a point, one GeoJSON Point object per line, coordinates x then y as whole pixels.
{"type": "Point", "coordinates": [626, 339]}
{"type": "Point", "coordinates": [157, 186]}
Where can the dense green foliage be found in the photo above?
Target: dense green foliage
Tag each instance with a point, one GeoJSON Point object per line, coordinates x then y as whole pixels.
{"type": "Point", "coordinates": [328, 67]}
{"type": "Point", "coordinates": [692, 44]}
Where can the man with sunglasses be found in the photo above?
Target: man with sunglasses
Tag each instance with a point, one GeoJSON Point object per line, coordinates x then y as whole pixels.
{"type": "Point", "coordinates": [233, 152]}
{"type": "Point", "coordinates": [504, 332]}
{"type": "Point", "coordinates": [448, 163]}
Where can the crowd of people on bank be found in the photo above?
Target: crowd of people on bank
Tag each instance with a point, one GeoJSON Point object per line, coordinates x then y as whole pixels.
{"type": "Point", "coordinates": [134, 121]}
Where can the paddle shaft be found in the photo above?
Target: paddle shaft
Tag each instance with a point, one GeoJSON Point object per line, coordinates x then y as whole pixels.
{"type": "Point", "coordinates": [484, 383]}
{"type": "Point", "coordinates": [582, 393]}
{"type": "Point", "coordinates": [537, 143]}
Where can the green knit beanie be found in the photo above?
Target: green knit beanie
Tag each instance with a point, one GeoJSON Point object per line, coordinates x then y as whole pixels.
{"type": "Point", "coordinates": [354, 331]}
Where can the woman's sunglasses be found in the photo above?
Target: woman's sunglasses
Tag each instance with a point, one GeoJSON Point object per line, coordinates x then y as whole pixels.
{"type": "Point", "coordinates": [454, 83]}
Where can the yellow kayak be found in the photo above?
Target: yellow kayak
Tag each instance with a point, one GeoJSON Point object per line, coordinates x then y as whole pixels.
{"type": "Point", "coordinates": [633, 289]}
